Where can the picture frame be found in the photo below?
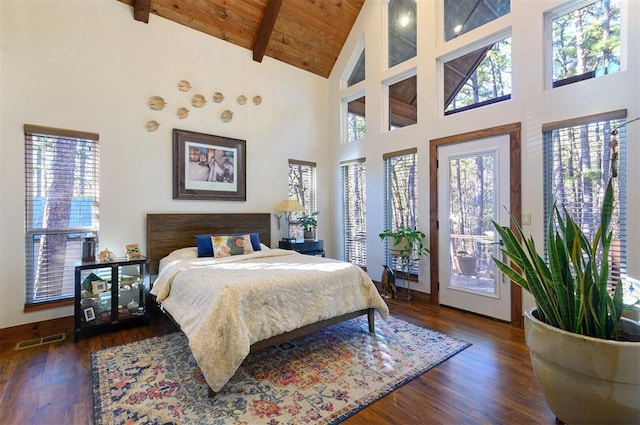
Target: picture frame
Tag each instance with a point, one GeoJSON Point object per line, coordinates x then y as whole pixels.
{"type": "Point", "coordinates": [98, 286]}
{"type": "Point", "coordinates": [208, 167]}
{"type": "Point", "coordinates": [89, 314]}
{"type": "Point", "coordinates": [132, 251]}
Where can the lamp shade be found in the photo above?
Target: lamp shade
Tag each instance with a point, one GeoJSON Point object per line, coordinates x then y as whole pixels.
{"type": "Point", "coordinates": [289, 205]}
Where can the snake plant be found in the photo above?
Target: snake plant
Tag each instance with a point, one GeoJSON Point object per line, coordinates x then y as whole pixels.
{"type": "Point", "coordinates": [570, 288]}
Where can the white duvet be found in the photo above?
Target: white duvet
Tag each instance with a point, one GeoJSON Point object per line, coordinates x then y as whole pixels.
{"type": "Point", "coordinates": [224, 305]}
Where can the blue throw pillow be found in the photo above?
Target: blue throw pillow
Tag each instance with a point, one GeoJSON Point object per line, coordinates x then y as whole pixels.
{"type": "Point", "coordinates": [205, 247]}
{"type": "Point", "coordinates": [255, 241]}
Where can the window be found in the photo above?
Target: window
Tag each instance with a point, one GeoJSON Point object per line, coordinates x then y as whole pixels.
{"type": "Point", "coordinates": [356, 124]}
{"type": "Point", "coordinates": [403, 103]}
{"type": "Point", "coordinates": [354, 211]}
{"type": "Point", "coordinates": [401, 31]}
{"type": "Point", "coordinates": [302, 188]}
{"type": "Point", "coordinates": [577, 158]}
{"type": "Point", "coordinates": [358, 72]}
{"type": "Point", "coordinates": [478, 78]}
{"type": "Point", "coordinates": [62, 199]}
{"type": "Point", "coordinates": [400, 194]}
{"type": "Point", "coordinates": [462, 16]}
{"type": "Point", "coordinates": [585, 41]}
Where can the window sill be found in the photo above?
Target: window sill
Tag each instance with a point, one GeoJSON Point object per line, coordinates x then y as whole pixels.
{"type": "Point", "coordinates": [28, 308]}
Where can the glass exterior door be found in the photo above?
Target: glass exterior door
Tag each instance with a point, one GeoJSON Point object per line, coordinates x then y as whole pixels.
{"type": "Point", "coordinates": [473, 190]}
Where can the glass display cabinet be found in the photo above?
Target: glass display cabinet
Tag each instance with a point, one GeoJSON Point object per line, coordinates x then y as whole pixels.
{"type": "Point", "coordinates": [110, 294]}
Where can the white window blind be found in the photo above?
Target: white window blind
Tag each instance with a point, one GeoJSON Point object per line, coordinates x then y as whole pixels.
{"type": "Point", "coordinates": [577, 168]}
{"type": "Point", "coordinates": [354, 211]}
{"type": "Point", "coordinates": [62, 198]}
{"type": "Point", "coordinates": [303, 187]}
{"type": "Point", "coordinates": [400, 194]}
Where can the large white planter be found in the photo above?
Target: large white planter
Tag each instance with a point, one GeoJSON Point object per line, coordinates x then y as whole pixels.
{"type": "Point", "coordinates": [585, 380]}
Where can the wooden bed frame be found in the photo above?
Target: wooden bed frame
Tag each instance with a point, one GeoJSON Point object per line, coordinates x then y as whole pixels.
{"type": "Point", "coordinates": [168, 232]}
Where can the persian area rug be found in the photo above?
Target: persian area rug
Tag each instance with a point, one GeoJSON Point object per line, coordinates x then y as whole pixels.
{"type": "Point", "coordinates": [322, 378]}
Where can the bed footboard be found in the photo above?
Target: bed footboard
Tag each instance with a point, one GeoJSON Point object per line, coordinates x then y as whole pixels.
{"type": "Point", "coordinates": [306, 330]}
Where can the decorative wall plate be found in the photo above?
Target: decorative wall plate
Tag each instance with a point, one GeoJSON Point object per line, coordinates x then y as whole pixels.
{"type": "Point", "coordinates": [218, 97]}
{"type": "Point", "coordinates": [156, 103]}
{"type": "Point", "coordinates": [198, 100]}
{"type": "Point", "coordinates": [152, 125]}
{"type": "Point", "coordinates": [257, 100]}
{"type": "Point", "coordinates": [242, 99]}
{"type": "Point", "coordinates": [184, 85]}
{"type": "Point", "coordinates": [183, 113]}
{"type": "Point", "coordinates": [226, 115]}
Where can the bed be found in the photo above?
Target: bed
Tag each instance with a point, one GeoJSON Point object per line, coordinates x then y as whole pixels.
{"type": "Point", "coordinates": [231, 306]}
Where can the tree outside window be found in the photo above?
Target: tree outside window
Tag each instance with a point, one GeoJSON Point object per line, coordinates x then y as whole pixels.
{"type": "Point", "coordinates": [585, 42]}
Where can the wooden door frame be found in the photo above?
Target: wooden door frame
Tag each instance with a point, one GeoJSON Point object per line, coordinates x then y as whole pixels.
{"type": "Point", "coordinates": [515, 204]}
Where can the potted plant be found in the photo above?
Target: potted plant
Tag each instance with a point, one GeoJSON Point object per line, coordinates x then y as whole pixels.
{"type": "Point", "coordinates": [405, 240]}
{"type": "Point", "coordinates": [587, 373]}
{"type": "Point", "coordinates": [309, 222]}
{"type": "Point", "coordinates": [407, 243]}
{"type": "Point", "coordinates": [466, 263]}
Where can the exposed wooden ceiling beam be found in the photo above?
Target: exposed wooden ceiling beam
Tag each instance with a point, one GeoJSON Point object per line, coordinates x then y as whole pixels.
{"type": "Point", "coordinates": [266, 27]}
{"type": "Point", "coordinates": [141, 10]}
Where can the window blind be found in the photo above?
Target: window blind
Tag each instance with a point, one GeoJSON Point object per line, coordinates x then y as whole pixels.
{"type": "Point", "coordinates": [62, 200]}
{"type": "Point", "coordinates": [400, 194]}
{"type": "Point", "coordinates": [354, 211]}
{"type": "Point", "coordinates": [303, 187]}
{"type": "Point", "coordinates": [577, 168]}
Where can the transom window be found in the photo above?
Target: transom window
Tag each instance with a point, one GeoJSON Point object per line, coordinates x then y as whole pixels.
{"type": "Point", "coordinates": [462, 16]}
{"type": "Point", "coordinates": [585, 41]}
{"type": "Point", "coordinates": [402, 33]}
{"type": "Point", "coordinates": [403, 103]}
{"type": "Point", "coordinates": [478, 78]}
{"type": "Point", "coordinates": [356, 124]}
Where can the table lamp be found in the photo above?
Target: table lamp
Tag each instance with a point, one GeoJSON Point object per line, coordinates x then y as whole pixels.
{"type": "Point", "coordinates": [287, 207]}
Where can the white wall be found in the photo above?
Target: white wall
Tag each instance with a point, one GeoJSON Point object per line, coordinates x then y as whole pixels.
{"type": "Point", "coordinates": [87, 65]}
{"type": "Point", "coordinates": [530, 104]}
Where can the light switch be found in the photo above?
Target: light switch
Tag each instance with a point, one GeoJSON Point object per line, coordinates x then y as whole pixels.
{"type": "Point", "coordinates": [526, 219]}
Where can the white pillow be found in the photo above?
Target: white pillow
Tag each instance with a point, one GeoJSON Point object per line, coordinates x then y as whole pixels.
{"type": "Point", "coordinates": [184, 253]}
{"type": "Point", "coordinates": [178, 254]}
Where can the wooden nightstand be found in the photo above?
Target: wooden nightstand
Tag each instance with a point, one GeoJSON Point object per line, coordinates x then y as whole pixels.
{"type": "Point", "coordinates": [304, 247]}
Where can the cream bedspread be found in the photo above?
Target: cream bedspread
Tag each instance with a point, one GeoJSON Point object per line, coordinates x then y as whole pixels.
{"type": "Point", "coordinates": [224, 305]}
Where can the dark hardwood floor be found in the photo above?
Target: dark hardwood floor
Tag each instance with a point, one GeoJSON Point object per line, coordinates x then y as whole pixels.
{"type": "Point", "coordinates": [491, 382]}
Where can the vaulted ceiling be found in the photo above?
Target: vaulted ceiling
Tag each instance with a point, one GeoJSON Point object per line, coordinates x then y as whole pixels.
{"type": "Point", "coordinates": [308, 34]}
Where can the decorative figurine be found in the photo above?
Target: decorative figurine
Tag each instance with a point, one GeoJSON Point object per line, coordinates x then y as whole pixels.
{"type": "Point", "coordinates": [106, 255]}
{"type": "Point", "coordinates": [388, 282]}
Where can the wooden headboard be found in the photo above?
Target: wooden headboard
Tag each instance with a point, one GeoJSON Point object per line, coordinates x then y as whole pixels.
{"type": "Point", "coordinates": [168, 232]}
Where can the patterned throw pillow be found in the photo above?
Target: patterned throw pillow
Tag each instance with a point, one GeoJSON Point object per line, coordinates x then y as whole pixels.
{"type": "Point", "coordinates": [205, 247]}
{"type": "Point", "coordinates": [224, 246]}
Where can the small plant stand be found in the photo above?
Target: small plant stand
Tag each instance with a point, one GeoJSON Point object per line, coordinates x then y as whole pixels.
{"type": "Point", "coordinates": [404, 292]}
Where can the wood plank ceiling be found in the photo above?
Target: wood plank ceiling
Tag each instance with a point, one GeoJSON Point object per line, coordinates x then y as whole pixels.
{"type": "Point", "coordinates": [307, 34]}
